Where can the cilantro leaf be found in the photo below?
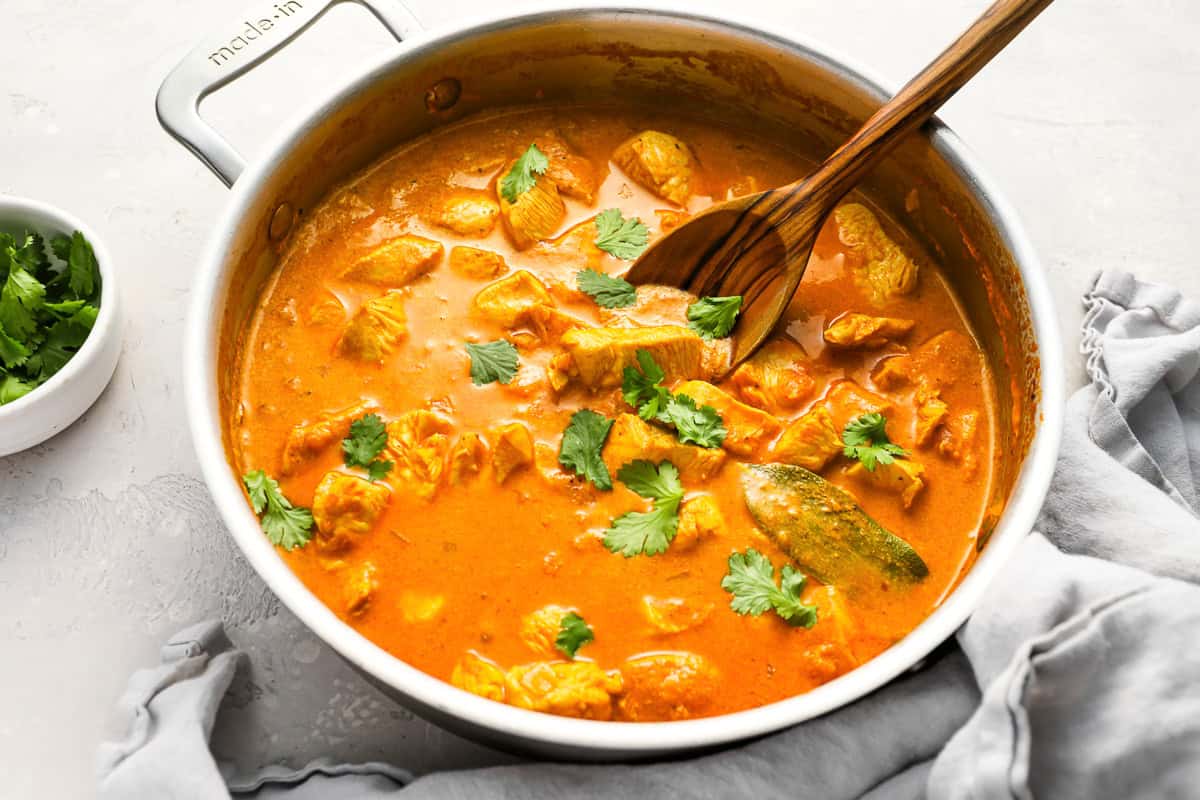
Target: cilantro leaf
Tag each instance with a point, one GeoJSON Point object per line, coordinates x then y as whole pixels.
{"type": "Point", "coordinates": [647, 532]}
{"type": "Point", "coordinates": [522, 176]}
{"type": "Point", "coordinates": [494, 361]}
{"type": "Point", "coordinates": [13, 388]}
{"type": "Point", "coordinates": [714, 317]}
{"type": "Point", "coordinates": [581, 445]}
{"type": "Point", "coordinates": [64, 309]}
{"type": "Point", "coordinates": [12, 352]}
{"type": "Point", "coordinates": [643, 532]}
{"type": "Point", "coordinates": [368, 437]}
{"type": "Point", "coordinates": [652, 482]}
{"type": "Point", "coordinates": [61, 247]}
{"type": "Point", "coordinates": [286, 526]}
{"type": "Point", "coordinates": [82, 271]}
{"type": "Point", "coordinates": [643, 389]}
{"type": "Point", "coordinates": [701, 426]}
{"type": "Point", "coordinates": [607, 291]}
{"type": "Point", "coordinates": [573, 634]}
{"type": "Point", "coordinates": [63, 340]}
{"type": "Point", "coordinates": [751, 581]}
{"type": "Point", "coordinates": [21, 297]}
{"type": "Point", "coordinates": [624, 238]}
{"type": "Point", "coordinates": [866, 440]}
{"type": "Point", "coordinates": [379, 469]}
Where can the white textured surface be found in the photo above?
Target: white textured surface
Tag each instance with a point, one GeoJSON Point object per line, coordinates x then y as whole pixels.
{"type": "Point", "coordinates": [108, 541]}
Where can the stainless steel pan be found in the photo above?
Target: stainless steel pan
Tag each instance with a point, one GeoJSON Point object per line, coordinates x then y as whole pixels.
{"type": "Point", "coordinates": [652, 54]}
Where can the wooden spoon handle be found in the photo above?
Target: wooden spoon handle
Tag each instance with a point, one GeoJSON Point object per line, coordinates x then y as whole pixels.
{"type": "Point", "coordinates": [914, 104]}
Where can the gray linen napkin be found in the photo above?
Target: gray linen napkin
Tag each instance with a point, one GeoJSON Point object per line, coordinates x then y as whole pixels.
{"type": "Point", "coordinates": [1078, 677]}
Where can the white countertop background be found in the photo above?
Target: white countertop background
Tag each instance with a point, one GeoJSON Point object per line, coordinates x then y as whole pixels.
{"type": "Point", "coordinates": [108, 540]}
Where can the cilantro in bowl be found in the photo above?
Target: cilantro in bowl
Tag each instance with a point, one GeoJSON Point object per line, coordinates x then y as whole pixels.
{"type": "Point", "coordinates": [49, 300]}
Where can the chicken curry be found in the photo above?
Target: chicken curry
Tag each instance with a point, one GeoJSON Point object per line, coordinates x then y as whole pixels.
{"type": "Point", "coordinates": [515, 471]}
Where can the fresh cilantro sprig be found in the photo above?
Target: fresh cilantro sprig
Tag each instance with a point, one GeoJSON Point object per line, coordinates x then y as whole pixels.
{"type": "Point", "coordinates": [714, 317]}
{"type": "Point", "coordinates": [647, 532]}
{"type": "Point", "coordinates": [286, 526]}
{"type": "Point", "coordinates": [573, 633]}
{"type": "Point", "coordinates": [866, 440]}
{"type": "Point", "coordinates": [751, 581]}
{"type": "Point", "coordinates": [625, 238]}
{"type": "Point", "coordinates": [701, 426]}
{"type": "Point", "coordinates": [493, 361]}
{"type": "Point", "coordinates": [368, 438]}
{"type": "Point", "coordinates": [607, 291]}
{"type": "Point", "coordinates": [523, 175]}
{"type": "Point", "coordinates": [642, 388]}
{"type": "Point", "coordinates": [582, 442]}
{"type": "Point", "coordinates": [48, 307]}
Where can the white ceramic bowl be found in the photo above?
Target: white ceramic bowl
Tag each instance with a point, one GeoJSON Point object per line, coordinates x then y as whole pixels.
{"type": "Point", "coordinates": [58, 402]}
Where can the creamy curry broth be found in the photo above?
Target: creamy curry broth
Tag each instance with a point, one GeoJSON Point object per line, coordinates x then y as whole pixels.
{"type": "Point", "coordinates": [452, 577]}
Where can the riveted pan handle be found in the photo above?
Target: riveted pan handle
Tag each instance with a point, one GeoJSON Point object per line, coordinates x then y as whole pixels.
{"type": "Point", "coordinates": [238, 48]}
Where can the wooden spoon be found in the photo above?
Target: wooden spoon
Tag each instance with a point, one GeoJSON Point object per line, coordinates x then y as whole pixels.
{"type": "Point", "coordinates": [758, 245]}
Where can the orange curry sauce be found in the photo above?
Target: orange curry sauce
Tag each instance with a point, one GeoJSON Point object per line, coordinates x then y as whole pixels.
{"type": "Point", "coordinates": [453, 576]}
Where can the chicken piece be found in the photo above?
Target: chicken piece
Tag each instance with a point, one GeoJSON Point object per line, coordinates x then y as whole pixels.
{"type": "Point", "coordinates": [558, 372]}
{"type": "Point", "coordinates": [513, 449]}
{"type": "Point", "coordinates": [548, 324]}
{"type": "Point", "coordinates": [699, 518]}
{"type": "Point", "coordinates": [397, 262]}
{"type": "Point", "coordinates": [848, 401]}
{"type": "Point", "coordinates": [509, 301]}
{"type": "Point", "coordinates": [669, 219]}
{"type": "Point", "coordinates": [655, 305]}
{"type": "Point", "coordinates": [344, 508]}
{"type": "Point", "coordinates": [660, 686]}
{"type": "Point", "coordinates": [599, 356]}
{"type": "Point", "coordinates": [937, 363]}
{"type": "Point", "coordinates": [540, 628]}
{"type": "Point", "coordinates": [748, 430]}
{"type": "Point", "coordinates": [326, 311]}
{"type": "Point", "coordinates": [573, 174]}
{"type": "Point", "coordinates": [880, 267]}
{"type": "Point", "coordinates": [359, 588]}
{"type": "Point", "coordinates": [747, 184]}
{"type": "Point", "coordinates": [418, 442]}
{"type": "Point", "coordinates": [893, 372]}
{"type": "Point", "coordinates": [474, 673]}
{"type": "Point", "coordinates": [536, 213]}
{"type": "Point", "coordinates": [834, 623]}
{"type": "Point", "coordinates": [471, 262]}
{"type": "Point", "coordinates": [902, 477]}
{"type": "Point", "coordinates": [305, 442]}
{"type": "Point", "coordinates": [529, 382]}
{"type": "Point", "coordinates": [469, 214]}
{"type": "Point", "coordinates": [632, 438]}
{"type": "Point", "coordinates": [659, 162]}
{"type": "Point", "coordinates": [376, 329]}
{"type": "Point", "coordinates": [811, 441]}
{"type": "Point", "coordinates": [466, 458]}
{"type": "Point", "coordinates": [570, 689]}
{"type": "Point", "coordinates": [776, 378]}
{"type": "Point", "coordinates": [675, 614]}
{"type": "Point", "coordinates": [418, 607]}
{"type": "Point", "coordinates": [931, 412]}
{"type": "Point", "coordinates": [863, 330]}
{"type": "Point", "coordinates": [958, 441]}
{"type": "Point", "coordinates": [572, 251]}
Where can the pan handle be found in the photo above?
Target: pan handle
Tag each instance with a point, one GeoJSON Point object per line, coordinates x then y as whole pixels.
{"type": "Point", "coordinates": [224, 55]}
